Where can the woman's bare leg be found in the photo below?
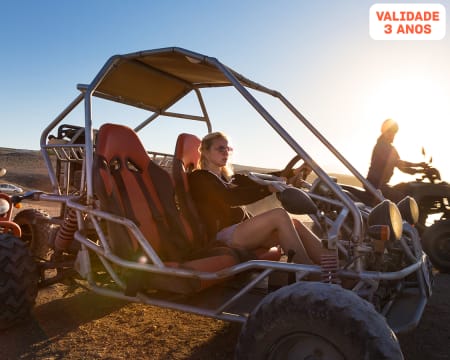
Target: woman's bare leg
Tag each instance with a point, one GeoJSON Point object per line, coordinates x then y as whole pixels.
{"type": "Point", "coordinates": [258, 232]}
{"type": "Point", "coordinates": [311, 242]}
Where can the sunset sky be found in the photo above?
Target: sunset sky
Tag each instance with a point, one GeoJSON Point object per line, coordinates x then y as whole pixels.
{"type": "Point", "coordinates": [319, 54]}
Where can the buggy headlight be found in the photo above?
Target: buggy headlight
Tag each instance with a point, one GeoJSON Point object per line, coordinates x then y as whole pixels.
{"type": "Point", "coordinates": [4, 207]}
{"type": "Point", "coordinates": [409, 210]}
{"type": "Point", "coordinates": [387, 213]}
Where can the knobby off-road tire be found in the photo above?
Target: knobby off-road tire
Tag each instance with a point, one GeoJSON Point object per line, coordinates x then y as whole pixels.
{"type": "Point", "coordinates": [316, 321]}
{"type": "Point", "coordinates": [18, 281]}
{"type": "Point", "coordinates": [436, 243]}
{"type": "Point", "coordinates": [36, 229]}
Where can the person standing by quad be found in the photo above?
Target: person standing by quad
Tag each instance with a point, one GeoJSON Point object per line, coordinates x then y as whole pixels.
{"type": "Point", "coordinates": [385, 159]}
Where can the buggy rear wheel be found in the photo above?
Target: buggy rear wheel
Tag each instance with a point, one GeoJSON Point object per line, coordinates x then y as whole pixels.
{"type": "Point", "coordinates": [18, 281]}
{"type": "Point", "coordinates": [36, 229]}
{"type": "Point", "coordinates": [316, 321]}
{"type": "Point", "coordinates": [436, 243]}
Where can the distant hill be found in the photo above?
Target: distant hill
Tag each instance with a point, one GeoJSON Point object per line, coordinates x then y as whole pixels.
{"type": "Point", "coordinates": [346, 179]}
{"type": "Point", "coordinates": [25, 168]}
{"type": "Point", "coordinates": [341, 178]}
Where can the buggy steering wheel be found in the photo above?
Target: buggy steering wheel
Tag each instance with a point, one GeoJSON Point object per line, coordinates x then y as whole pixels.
{"type": "Point", "coordinates": [299, 178]}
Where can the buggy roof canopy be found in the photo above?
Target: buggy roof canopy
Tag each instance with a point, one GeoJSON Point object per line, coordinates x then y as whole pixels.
{"type": "Point", "coordinates": [156, 79]}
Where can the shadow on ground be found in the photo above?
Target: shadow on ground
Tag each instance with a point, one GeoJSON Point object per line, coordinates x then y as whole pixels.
{"type": "Point", "coordinates": [53, 320]}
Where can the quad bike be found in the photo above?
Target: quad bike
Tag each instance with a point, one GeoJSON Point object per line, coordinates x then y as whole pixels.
{"type": "Point", "coordinates": [128, 228]}
{"type": "Point", "coordinates": [432, 196]}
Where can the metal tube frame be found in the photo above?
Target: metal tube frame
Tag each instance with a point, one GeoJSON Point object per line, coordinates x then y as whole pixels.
{"type": "Point", "coordinates": [102, 249]}
{"type": "Point", "coordinates": [101, 246]}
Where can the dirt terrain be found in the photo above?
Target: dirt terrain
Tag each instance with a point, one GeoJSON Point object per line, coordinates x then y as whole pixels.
{"type": "Point", "coordinates": [72, 323]}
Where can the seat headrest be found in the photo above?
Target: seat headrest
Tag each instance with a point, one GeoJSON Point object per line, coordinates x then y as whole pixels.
{"type": "Point", "coordinates": [119, 141]}
{"type": "Point", "coordinates": [186, 150]}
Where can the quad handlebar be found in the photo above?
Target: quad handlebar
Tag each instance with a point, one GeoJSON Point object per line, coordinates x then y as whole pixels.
{"type": "Point", "coordinates": [430, 173]}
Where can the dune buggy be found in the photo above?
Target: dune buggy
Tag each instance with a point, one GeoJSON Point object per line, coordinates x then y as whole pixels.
{"type": "Point", "coordinates": [128, 226]}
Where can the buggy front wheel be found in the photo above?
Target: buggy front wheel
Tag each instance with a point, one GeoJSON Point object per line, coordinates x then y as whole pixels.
{"type": "Point", "coordinates": [316, 321]}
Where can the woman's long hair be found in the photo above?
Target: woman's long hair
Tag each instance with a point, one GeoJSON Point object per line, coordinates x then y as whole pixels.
{"type": "Point", "coordinates": [205, 145]}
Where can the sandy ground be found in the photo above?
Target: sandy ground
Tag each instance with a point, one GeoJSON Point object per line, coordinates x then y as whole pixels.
{"type": "Point", "coordinates": [72, 323]}
{"type": "Point", "coordinates": [75, 324]}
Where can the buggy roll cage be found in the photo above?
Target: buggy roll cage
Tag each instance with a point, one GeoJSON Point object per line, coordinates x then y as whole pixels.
{"type": "Point", "coordinates": [155, 80]}
{"type": "Point", "coordinates": [171, 74]}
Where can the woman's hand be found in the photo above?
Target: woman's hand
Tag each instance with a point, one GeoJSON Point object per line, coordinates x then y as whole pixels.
{"type": "Point", "coordinates": [302, 171]}
{"type": "Point", "coordinates": [300, 175]}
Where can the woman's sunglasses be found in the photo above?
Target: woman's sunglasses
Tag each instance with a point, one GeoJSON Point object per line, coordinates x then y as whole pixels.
{"type": "Point", "coordinates": [224, 149]}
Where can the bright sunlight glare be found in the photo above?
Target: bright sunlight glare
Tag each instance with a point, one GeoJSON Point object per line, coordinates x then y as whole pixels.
{"type": "Point", "coordinates": [419, 107]}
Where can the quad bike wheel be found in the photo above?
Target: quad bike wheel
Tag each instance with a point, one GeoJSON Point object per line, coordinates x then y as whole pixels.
{"type": "Point", "coordinates": [316, 321]}
{"type": "Point", "coordinates": [436, 243]}
{"type": "Point", "coordinates": [36, 230]}
{"type": "Point", "coordinates": [18, 281]}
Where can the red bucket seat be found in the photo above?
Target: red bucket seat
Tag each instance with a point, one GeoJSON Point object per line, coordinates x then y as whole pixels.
{"type": "Point", "coordinates": [129, 184]}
